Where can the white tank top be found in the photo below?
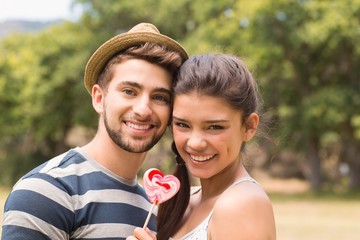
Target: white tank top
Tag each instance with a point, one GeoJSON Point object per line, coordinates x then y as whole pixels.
{"type": "Point", "coordinates": [200, 232]}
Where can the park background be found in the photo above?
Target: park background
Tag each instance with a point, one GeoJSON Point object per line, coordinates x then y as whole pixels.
{"type": "Point", "coordinates": [305, 55]}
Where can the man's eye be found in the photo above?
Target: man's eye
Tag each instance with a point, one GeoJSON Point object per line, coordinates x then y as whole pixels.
{"type": "Point", "coordinates": [128, 92]}
{"type": "Point", "coordinates": [164, 99]}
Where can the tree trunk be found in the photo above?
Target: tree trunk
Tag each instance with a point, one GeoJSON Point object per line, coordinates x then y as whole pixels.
{"type": "Point", "coordinates": [314, 175]}
{"type": "Point", "coordinates": [351, 155]}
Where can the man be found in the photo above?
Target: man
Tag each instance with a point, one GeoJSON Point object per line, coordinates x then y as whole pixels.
{"type": "Point", "coordinates": [92, 192]}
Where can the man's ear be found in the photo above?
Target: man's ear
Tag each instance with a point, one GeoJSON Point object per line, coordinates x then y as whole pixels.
{"type": "Point", "coordinates": [97, 95]}
{"type": "Point", "coordinates": [251, 125]}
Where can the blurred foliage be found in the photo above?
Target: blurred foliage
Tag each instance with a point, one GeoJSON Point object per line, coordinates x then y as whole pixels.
{"type": "Point", "coordinates": [304, 54]}
{"type": "Point", "coordinates": [315, 75]}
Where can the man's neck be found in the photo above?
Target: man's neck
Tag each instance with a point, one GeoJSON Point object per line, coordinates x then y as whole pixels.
{"type": "Point", "coordinates": [123, 163]}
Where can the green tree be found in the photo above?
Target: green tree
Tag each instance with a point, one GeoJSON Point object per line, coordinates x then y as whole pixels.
{"type": "Point", "coordinates": [306, 57]}
{"type": "Point", "coordinates": [310, 62]}
{"type": "Point", "coordinates": [303, 52]}
{"type": "Point", "coordinates": [43, 96]}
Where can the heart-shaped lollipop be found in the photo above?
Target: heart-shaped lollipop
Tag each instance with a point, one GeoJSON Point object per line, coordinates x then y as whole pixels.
{"type": "Point", "coordinates": [159, 188]}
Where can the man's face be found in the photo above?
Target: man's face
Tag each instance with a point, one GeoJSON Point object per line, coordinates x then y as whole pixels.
{"type": "Point", "coordinates": [136, 105]}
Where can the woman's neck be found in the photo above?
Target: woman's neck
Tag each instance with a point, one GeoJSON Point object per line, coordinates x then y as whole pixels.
{"type": "Point", "coordinates": [216, 185]}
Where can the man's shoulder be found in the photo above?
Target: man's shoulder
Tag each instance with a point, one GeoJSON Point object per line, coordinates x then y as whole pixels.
{"type": "Point", "coordinates": [58, 163]}
{"type": "Point", "coordinates": [60, 172]}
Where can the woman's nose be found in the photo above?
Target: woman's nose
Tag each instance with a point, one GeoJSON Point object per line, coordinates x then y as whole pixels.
{"type": "Point", "coordinates": [196, 141]}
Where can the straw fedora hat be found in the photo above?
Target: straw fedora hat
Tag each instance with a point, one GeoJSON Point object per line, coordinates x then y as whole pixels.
{"type": "Point", "coordinates": [139, 34]}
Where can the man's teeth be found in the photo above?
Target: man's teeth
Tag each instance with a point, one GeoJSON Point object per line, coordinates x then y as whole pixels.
{"type": "Point", "coordinates": [138, 127]}
{"type": "Point", "coordinates": [201, 158]}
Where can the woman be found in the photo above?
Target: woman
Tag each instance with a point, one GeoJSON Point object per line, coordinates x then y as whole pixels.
{"type": "Point", "coordinates": [215, 114]}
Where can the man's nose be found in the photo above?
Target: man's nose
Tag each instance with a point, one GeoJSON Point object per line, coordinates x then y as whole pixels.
{"type": "Point", "coordinates": [142, 107]}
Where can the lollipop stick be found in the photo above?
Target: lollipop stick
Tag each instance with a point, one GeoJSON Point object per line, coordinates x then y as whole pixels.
{"type": "Point", "coordinates": [149, 215]}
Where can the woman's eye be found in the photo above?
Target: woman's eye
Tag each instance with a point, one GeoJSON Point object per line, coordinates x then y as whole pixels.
{"type": "Point", "coordinates": [182, 125]}
{"type": "Point", "coordinates": [215, 127]}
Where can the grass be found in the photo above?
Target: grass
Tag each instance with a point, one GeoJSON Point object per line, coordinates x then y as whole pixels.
{"type": "Point", "coordinates": [309, 217]}
{"type": "Point", "coordinates": [304, 216]}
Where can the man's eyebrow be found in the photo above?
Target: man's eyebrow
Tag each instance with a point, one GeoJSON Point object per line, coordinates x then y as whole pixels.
{"type": "Point", "coordinates": [163, 90]}
{"type": "Point", "coordinates": [133, 84]}
{"type": "Point", "coordinates": [139, 86]}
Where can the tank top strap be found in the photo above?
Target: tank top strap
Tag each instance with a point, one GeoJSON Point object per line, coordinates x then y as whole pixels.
{"type": "Point", "coordinates": [240, 180]}
{"type": "Point", "coordinates": [201, 231]}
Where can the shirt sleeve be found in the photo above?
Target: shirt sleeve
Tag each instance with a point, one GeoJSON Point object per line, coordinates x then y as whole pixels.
{"type": "Point", "coordinates": [37, 209]}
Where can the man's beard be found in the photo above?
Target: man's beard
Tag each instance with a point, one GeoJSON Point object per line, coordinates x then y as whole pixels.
{"type": "Point", "coordinates": [119, 139]}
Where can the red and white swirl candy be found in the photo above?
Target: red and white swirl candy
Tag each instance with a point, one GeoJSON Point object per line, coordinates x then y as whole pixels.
{"type": "Point", "coordinates": [160, 188]}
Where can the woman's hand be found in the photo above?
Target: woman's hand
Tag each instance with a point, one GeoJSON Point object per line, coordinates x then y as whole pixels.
{"type": "Point", "coordinates": [142, 234]}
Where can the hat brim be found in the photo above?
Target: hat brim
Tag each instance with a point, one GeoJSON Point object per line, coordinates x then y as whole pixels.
{"type": "Point", "coordinates": [121, 42]}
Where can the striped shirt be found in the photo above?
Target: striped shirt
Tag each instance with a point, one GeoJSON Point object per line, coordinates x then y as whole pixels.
{"type": "Point", "coordinates": [73, 197]}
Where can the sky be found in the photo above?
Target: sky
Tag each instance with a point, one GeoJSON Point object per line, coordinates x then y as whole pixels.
{"type": "Point", "coordinates": [35, 10]}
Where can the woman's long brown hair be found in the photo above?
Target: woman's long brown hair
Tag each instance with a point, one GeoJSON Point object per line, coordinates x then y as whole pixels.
{"type": "Point", "coordinates": [172, 211]}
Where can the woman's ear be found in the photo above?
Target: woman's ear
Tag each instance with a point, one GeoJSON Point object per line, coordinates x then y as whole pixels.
{"type": "Point", "coordinates": [97, 98]}
{"type": "Point", "coordinates": [251, 125]}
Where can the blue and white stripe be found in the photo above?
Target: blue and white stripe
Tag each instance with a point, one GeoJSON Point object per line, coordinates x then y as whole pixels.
{"type": "Point", "coordinates": [74, 197]}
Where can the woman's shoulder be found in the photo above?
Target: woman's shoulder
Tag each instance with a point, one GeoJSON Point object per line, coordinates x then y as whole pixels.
{"type": "Point", "coordinates": [245, 206]}
{"type": "Point", "coordinates": [242, 197]}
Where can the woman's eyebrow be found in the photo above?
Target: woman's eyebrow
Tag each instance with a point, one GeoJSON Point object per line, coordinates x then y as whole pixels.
{"type": "Point", "coordinates": [209, 121]}
{"type": "Point", "coordinates": [178, 119]}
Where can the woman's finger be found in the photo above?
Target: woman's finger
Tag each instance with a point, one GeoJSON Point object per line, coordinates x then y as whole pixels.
{"type": "Point", "coordinates": [143, 234]}
{"type": "Point", "coordinates": [131, 238]}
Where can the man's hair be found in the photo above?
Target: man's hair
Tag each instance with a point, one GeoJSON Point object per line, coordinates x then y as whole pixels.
{"type": "Point", "coordinates": [150, 52]}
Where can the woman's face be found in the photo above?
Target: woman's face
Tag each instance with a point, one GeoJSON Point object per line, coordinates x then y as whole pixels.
{"type": "Point", "coordinates": [208, 133]}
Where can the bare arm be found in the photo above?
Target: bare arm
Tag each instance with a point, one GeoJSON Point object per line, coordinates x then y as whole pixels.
{"type": "Point", "coordinates": [244, 212]}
